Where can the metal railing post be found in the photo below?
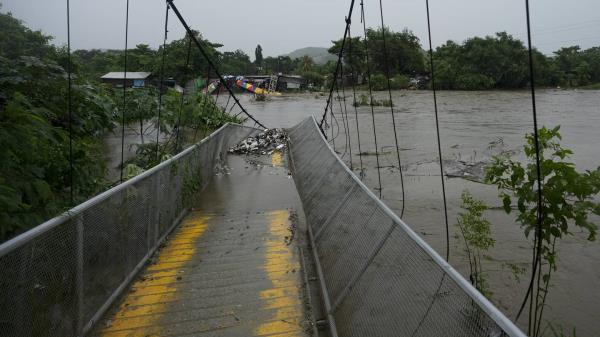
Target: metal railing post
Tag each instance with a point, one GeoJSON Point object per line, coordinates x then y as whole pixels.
{"type": "Point", "coordinates": [79, 276]}
{"type": "Point", "coordinates": [158, 208]}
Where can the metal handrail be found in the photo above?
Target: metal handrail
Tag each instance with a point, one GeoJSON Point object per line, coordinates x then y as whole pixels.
{"type": "Point", "coordinates": [490, 309]}
{"type": "Point", "coordinates": [33, 233]}
{"type": "Point", "coordinates": [85, 324]}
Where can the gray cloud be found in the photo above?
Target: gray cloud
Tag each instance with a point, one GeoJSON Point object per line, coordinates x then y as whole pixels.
{"type": "Point", "coordinates": [281, 26]}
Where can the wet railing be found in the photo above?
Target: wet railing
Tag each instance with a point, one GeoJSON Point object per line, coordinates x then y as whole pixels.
{"type": "Point", "coordinates": [60, 277]}
{"type": "Point", "coordinates": [377, 277]}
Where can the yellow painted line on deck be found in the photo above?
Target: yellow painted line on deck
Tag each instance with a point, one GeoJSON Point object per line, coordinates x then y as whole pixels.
{"type": "Point", "coordinates": [144, 311]}
{"type": "Point", "coordinates": [277, 159]}
{"type": "Point", "coordinates": [285, 320]}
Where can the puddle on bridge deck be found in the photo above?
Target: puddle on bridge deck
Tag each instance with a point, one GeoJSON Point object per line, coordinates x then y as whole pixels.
{"type": "Point", "coordinates": [232, 267]}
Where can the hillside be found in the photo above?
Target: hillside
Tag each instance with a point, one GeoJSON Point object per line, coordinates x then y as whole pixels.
{"type": "Point", "coordinates": [319, 54]}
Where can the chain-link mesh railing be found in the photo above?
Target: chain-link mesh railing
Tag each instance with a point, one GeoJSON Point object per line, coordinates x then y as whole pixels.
{"type": "Point", "coordinates": [60, 277]}
{"type": "Point", "coordinates": [378, 278]}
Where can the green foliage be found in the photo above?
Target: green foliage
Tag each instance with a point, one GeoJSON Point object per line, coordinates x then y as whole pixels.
{"type": "Point", "coordinates": [482, 63]}
{"type": "Point", "coordinates": [363, 100]}
{"type": "Point", "coordinates": [34, 144]}
{"type": "Point", "coordinates": [567, 201]}
{"type": "Point", "coordinates": [501, 62]}
{"type": "Point", "coordinates": [17, 40]}
{"type": "Point", "coordinates": [557, 330]}
{"type": "Point", "coordinates": [258, 56]}
{"type": "Point", "coordinates": [280, 64]}
{"type": "Point", "coordinates": [306, 64]}
{"type": "Point", "coordinates": [313, 78]}
{"type": "Point", "coordinates": [236, 63]}
{"type": "Point", "coordinates": [477, 235]}
{"type": "Point", "coordinates": [399, 82]}
{"type": "Point", "coordinates": [141, 103]}
{"type": "Point", "coordinates": [404, 55]}
{"type": "Point", "coordinates": [34, 130]}
{"type": "Point", "coordinates": [379, 82]}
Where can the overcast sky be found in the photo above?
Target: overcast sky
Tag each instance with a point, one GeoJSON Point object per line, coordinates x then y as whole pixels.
{"type": "Point", "coordinates": [282, 26]}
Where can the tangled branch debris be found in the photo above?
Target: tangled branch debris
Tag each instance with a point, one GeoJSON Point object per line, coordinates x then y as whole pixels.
{"type": "Point", "coordinates": [264, 143]}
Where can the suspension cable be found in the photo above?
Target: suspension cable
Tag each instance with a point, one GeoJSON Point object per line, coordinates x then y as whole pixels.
{"type": "Point", "coordinates": [364, 22]}
{"type": "Point", "coordinates": [337, 66]}
{"type": "Point", "coordinates": [331, 117]}
{"type": "Point", "coordinates": [355, 102]}
{"type": "Point", "coordinates": [124, 91]}
{"type": "Point", "coordinates": [389, 87]}
{"type": "Point", "coordinates": [437, 130]}
{"type": "Point", "coordinates": [347, 125]}
{"type": "Point", "coordinates": [538, 233]}
{"type": "Point", "coordinates": [227, 103]}
{"type": "Point", "coordinates": [211, 64]}
{"type": "Point", "coordinates": [344, 124]}
{"type": "Point", "coordinates": [161, 86]}
{"type": "Point", "coordinates": [69, 100]}
{"type": "Point", "coordinates": [187, 65]}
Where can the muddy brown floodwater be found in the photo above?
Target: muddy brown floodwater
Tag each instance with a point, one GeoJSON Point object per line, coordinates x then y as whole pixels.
{"type": "Point", "coordinates": [474, 126]}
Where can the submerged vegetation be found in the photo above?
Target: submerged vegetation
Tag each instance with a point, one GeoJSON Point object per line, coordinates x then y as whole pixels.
{"type": "Point", "coordinates": [477, 237]}
{"type": "Point", "coordinates": [365, 100]}
{"type": "Point", "coordinates": [568, 199]}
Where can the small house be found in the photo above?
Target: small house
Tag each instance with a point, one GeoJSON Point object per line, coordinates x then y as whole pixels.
{"type": "Point", "coordinates": [135, 79]}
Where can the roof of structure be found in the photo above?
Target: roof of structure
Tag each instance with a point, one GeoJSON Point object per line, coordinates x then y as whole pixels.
{"type": "Point", "coordinates": [133, 75]}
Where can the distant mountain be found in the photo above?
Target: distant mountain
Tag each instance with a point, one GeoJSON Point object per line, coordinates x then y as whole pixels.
{"type": "Point", "coordinates": [318, 54]}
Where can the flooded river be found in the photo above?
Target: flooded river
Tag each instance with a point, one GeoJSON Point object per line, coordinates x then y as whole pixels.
{"type": "Point", "coordinates": [474, 126]}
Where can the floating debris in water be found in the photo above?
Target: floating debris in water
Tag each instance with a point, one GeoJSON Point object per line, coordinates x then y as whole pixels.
{"type": "Point", "coordinates": [264, 143]}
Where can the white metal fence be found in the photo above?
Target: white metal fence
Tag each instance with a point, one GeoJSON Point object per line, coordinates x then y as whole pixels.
{"type": "Point", "coordinates": [378, 278]}
{"type": "Point", "coordinates": [60, 277]}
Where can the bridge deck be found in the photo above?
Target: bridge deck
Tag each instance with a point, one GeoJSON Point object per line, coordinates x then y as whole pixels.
{"type": "Point", "coordinates": [230, 269]}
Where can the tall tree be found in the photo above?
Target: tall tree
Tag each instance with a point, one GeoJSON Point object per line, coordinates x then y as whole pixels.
{"type": "Point", "coordinates": [258, 56]}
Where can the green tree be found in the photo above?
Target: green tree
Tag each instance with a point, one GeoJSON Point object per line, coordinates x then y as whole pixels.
{"type": "Point", "coordinates": [354, 56]}
{"type": "Point", "coordinates": [568, 198]}
{"type": "Point", "coordinates": [17, 40]}
{"type": "Point", "coordinates": [477, 236]}
{"type": "Point", "coordinates": [306, 63]}
{"type": "Point", "coordinates": [404, 53]}
{"type": "Point", "coordinates": [236, 63]}
{"type": "Point", "coordinates": [258, 57]}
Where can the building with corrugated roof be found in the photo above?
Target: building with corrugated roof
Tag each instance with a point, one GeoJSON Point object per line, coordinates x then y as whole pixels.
{"type": "Point", "coordinates": [135, 79]}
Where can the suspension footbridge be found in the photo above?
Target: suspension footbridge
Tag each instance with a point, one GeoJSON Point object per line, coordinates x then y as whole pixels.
{"type": "Point", "coordinates": [204, 244]}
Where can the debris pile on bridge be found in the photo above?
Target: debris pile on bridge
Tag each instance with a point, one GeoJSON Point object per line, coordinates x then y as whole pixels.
{"type": "Point", "coordinates": [264, 143]}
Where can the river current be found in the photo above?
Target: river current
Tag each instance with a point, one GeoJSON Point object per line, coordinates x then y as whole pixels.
{"type": "Point", "coordinates": [473, 127]}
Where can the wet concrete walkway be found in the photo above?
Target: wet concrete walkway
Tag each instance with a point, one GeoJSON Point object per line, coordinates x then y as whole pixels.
{"type": "Point", "coordinates": [230, 269]}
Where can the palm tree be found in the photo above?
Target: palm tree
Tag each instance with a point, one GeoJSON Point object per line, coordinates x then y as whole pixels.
{"type": "Point", "coordinates": [307, 63]}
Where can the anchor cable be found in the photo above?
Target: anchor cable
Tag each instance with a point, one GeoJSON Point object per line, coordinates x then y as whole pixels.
{"type": "Point", "coordinates": [437, 130]}
{"type": "Point", "coordinates": [337, 66]}
{"type": "Point", "coordinates": [210, 63]}
{"type": "Point", "coordinates": [389, 87]}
